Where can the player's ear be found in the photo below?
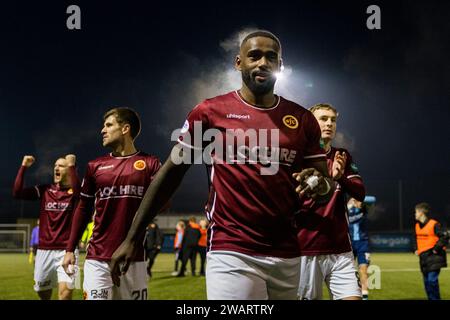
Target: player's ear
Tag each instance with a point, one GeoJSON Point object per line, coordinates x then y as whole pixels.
{"type": "Point", "coordinates": [237, 63]}
{"type": "Point", "coordinates": [126, 128]}
{"type": "Point", "coordinates": [281, 64]}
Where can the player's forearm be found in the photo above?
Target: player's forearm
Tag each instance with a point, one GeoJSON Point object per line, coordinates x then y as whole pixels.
{"type": "Point", "coordinates": [80, 220]}
{"type": "Point", "coordinates": [157, 195]}
{"type": "Point", "coordinates": [322, 167]}
{"type": "Point", "coordinates": [323, 198]}
{"type": "Point", "coordinates": [354, 187]}
{"type": "Point", "coordinates": [74, 180]}
{"type": "Point", "coordinates": [19, 192]}
{"type": "Point", "coordinates": [18, 183]}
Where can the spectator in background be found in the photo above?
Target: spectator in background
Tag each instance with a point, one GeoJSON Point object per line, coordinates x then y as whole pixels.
{"type": "Point", "coordinates": [152, 244]}
{"type": "Point", "coordinates": [431, 239]}
{"type": "Point", "coordinates": [177, 245]}
{"type": "Point", "coordinates": [34, 242]}
{"type": "Point", "coordinates": [202, 244]}
{"type": "Point", "coordinates": [189, 246]}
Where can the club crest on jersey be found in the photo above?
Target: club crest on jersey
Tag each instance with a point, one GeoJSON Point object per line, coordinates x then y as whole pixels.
{"type": "Point", "coordinates": [70, 191]}
{"type": "Point", "coordinates": [290, 121]}
{"type": "Point", "coordinates": [139, 165]}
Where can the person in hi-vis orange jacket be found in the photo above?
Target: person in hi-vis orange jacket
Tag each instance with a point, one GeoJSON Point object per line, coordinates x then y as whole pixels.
{"type": "Point", "coordinates": [431, 239]}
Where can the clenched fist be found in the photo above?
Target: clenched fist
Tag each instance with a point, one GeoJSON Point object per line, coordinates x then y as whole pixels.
{"type": "Point", "coordinates": [28, 161]}
{"type": "Point", "coordinates": [71, 159]}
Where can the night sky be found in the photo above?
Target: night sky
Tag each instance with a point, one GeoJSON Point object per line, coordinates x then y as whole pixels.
{"type": "Point", "coordinates": [390, 86]}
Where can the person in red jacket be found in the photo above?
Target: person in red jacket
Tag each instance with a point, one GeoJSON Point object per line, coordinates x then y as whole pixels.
{"type": "Point", "coordinates": [323, 237]}
{"type": "Point", "coordinates": [431, 239]}
{"type": "Point", "coordinates": [58, 201]}
{"type": "Point", "coordinates": [202, 244]}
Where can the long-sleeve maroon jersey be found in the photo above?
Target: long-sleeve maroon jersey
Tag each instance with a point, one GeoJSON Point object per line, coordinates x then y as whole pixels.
{"type": "Point", "coordinates": [114, 188]}
{"type": "Point", "coordinates": [251, 212]}
{"type": "Point", "coordinates": [323, 228]}
{"type": "Point", "coordinates": [56, 210]}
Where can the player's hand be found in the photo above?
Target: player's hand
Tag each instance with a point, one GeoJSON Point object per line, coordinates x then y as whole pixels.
{"type": "Point", "coordinates": [307, 189]}
{"type": "Point", "coordinates": [416, 253]}
{"type": "Point", "coordinates": [71, 159]}
{"type": "Point", "coordinates": [68, 263]}
{"type": "Point", "coordinates": [28, 161]}
{"type": "Point", "coordinates": [339, 162]}
{"type": "Point", "coordinates": [120, 260]}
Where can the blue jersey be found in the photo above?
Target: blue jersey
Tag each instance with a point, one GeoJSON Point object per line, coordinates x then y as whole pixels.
{"type": "Point", "coordinates": [357, 219]}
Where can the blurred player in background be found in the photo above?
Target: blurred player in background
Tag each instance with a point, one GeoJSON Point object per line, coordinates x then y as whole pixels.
{"type": "Point", "coordinates": [431, 240]}
{"type": "Point", "coordinates": [323, 227]}
{"type": "Point", "coordinates": [34, 242]}
{"type": "Point", "coordinates": [58, 201]}
{"type": "Point", "coordinates": [87, 234]}
{"type": "Point", "coordinates": [115, 185]}
{"type": "Point", "coordinates": [152, 243]}
{"type": "Point", "coordinates": [202, 244]}
{"type": "Point", "coordinates": [189, 246]}
{"type": "Point", "coordinates": [357, 218]}
{"type": "Point", "coordinates": [177, 242]}
{"type": "Point", "coordinates": [252, 247]}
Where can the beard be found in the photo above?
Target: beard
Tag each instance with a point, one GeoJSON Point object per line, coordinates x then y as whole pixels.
{"type": "Point", "coordinates": [258, 88]}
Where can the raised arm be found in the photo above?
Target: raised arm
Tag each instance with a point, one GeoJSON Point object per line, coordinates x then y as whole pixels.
{"type": "Point", "coordinates": [19, 192]}
{"type": "Point", "coordinates": [74, 179]}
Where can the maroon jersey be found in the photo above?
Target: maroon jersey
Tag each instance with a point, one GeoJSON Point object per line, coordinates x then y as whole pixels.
{"type": "Point", "coordinates": [56, 210]}
{"type": "Point", "coordinates": [250, 212]}
{"type": "Point", "coordinates": [323, 228]}
{"type": "Point", "coordinates": [118, 185]}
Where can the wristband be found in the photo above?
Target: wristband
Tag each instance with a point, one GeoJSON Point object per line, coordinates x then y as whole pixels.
{"type": "Point", "coordinates": [328, 188]}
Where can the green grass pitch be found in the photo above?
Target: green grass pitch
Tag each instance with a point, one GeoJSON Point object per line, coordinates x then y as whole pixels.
{"type": "Point", "coordinates": [400, 279]}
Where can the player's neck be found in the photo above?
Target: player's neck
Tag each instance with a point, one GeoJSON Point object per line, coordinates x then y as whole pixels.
{"type": "Point", "coordinates": [63, 184]}
{"type": "Point", "coordinates": [124, 150]}
{"type": "Point", "coordinates": [327, 146]}
{"type": "Point", "coordinates": [267, 100]}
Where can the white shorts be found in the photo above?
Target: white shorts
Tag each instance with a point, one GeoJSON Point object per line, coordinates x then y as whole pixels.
{"type": "Point", "coordinates": [237, 276]}
{"type": "Point", "coordinates": [98, 283]}
{"type": "Point", "coordinates": [337, 270]}
{"type": "Point", "coordinates": [48, 270]}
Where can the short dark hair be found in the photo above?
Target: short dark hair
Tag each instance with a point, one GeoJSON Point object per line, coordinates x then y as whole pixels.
{"type": "Point", "coordinates": [126, 115]}
{"type": "Point", "coordinates": [261, 33]}
{"type": "Point", "coordinates": [424, 207]}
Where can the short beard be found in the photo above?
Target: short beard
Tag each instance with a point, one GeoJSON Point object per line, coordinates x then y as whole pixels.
{"type": "Point", "coordinates": [255, 87]}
